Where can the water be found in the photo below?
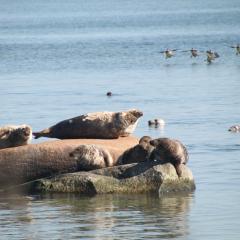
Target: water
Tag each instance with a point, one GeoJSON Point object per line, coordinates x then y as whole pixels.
{"type": "Point", "coordinates": [58, 60]}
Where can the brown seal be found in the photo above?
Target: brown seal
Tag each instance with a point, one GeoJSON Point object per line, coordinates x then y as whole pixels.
{"type": "Point", "coordinates": [102, 125]}
{"type": "Point", "coordinates": [169, 150]}
{"type": "Point", "coordinates": [90, 157]}
{"type": "Point", "coordinates": [50, 158]}
{"type": "Point", "coordinates": [139, 153]}
{"type": "Point", "coordinates": [13, 136]}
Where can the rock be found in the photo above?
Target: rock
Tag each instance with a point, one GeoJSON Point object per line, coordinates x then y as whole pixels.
{"type": "Point", "coordinates": [26, 163]}
{"type": "Point", "coordinates": [130, 178]}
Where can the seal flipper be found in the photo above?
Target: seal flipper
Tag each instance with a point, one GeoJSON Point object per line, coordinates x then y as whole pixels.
{"type": "Point", "coordinates": [43, 133]}
{"type": "Point", "coordinates": [178, 169]}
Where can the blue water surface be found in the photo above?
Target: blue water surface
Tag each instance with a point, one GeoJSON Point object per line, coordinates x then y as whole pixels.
{"type": "Point", "coordinates": [59, 58]}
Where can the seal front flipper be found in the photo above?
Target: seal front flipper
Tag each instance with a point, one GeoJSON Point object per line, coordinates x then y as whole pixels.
{"type": "Point", "coordinates": [43, 133]}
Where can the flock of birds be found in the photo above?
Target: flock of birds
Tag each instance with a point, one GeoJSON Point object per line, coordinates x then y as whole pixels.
{"type": "Point", "coordinates": [211, 55]}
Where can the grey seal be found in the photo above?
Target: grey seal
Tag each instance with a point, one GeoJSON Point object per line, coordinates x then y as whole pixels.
{"type": "Point", "coordinates": [169, 150]}
{"type": "Point", "coordinates": [15, 135]}
{"type": "Point", "coordinates": [102, 125]}
{"type": "Point", "coordinates": [139, 153]}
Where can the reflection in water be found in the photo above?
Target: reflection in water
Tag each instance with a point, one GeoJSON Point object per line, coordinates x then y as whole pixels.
{"type": "Point", "coordinates": [98, 217]}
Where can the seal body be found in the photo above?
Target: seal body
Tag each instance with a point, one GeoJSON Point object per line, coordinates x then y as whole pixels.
{"type": "Point", "coordinates": [49, 158]}
{"type": "Point", "coordinates": [13, 135]}
{"type": "Point", "coordinates": [90, 157]}
{"type": "Point", "coordinates": [102, 125]}
{"type": "Point", "coordinates": [169, 150]}
{"type": "Point", "coordinates": [139, 153]}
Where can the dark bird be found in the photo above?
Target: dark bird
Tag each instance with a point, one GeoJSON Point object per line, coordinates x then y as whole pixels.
{"type": "Point", "coordinates": [156, 123]}
{"type": "Point", "coordinates": [168, 53]}
{"type": "Point", "coordinates": [194, 52]}
{"type": "Point", "coordinates": [237, 47]}
{"type": "Point", "coordinates": [234, 128]}
{"type": "Point", "coordinates": [211, 56]}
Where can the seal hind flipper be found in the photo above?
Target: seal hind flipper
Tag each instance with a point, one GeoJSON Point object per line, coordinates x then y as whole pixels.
{"type": "Point", "coordinates": [43, 133]}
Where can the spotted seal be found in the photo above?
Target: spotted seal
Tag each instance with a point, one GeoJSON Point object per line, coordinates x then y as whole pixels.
{"type": "Point", "coordinates": [13, 135]}
{"type": "Point", "coordinates": [139, 153]}
{"type": "Point", "coordinates": [169, 150]}
{"type": "Point", "coordinates": [102, 125]}
{"type": "Point", "coordinates": [90, 157]}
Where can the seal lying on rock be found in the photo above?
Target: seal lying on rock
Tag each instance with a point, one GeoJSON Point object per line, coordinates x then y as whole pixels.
{"type": "Point", "coordinates": [102, 125]}
{"type": "Point", "coordinates": [139, 153]}
{"type": "Point", "coordinates": [13, 136]}
{"type": "Point", "coordinates": [50, 158]}
{"type": "Point", "coordinates": [169, 150]}
{"type": "Point", "coordinates": [90, 157]}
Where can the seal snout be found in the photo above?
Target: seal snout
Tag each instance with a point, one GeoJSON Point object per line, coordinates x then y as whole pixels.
{"type": "Point", "coordinates": [136, 113]}
{"type": "Point", "coordinates": [153, 143]}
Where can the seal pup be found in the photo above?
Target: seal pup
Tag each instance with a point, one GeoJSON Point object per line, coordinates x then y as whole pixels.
{"type": "Point", "coordinates": [139, 153]}
{"type": "Point", "coordinates": [234, 128]}
{"type": "Point", "coordinates": [103, 125]}
{"type": "Point", "coordinates": [169, 150]}
{"type": "Point", "coordinates": [15, 135]}
{"type": "Point", "coordinates": [90, 157]}
{"type": "Point", "coordinates": [168, 53]}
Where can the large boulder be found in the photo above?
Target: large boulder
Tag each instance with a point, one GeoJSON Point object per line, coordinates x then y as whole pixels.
{"type": "Point", "coordinates": [130, 178]}
{"type": "Point", "coordinates": [26, 163]}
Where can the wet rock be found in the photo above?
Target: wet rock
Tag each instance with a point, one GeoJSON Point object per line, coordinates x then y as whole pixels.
{"type": "Point", "coordinates": [130, 178]}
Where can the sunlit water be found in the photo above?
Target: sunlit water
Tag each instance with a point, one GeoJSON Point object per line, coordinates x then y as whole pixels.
{"type": "Point", "coordinates": [59, 58]}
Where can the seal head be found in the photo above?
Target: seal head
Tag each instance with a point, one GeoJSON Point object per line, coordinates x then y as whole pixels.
{"type": "Point", "coordinates": [127, 121]}
{"type": "Point", "coordinates": [13, 136]}
{"type": "Point", "coordinates": [139, 153]}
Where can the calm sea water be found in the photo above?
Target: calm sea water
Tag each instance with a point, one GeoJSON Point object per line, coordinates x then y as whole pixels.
{"type": "Point", "coordinates": [59, 58]}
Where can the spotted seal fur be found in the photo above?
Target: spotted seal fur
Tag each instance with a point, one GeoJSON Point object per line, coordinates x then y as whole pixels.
{"type": "Point", "coordinates": [90, 157]}
{"type": "Point", "coordinates": [15, 135]}
{"type": "Point", "coordinates": [102, 125]}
